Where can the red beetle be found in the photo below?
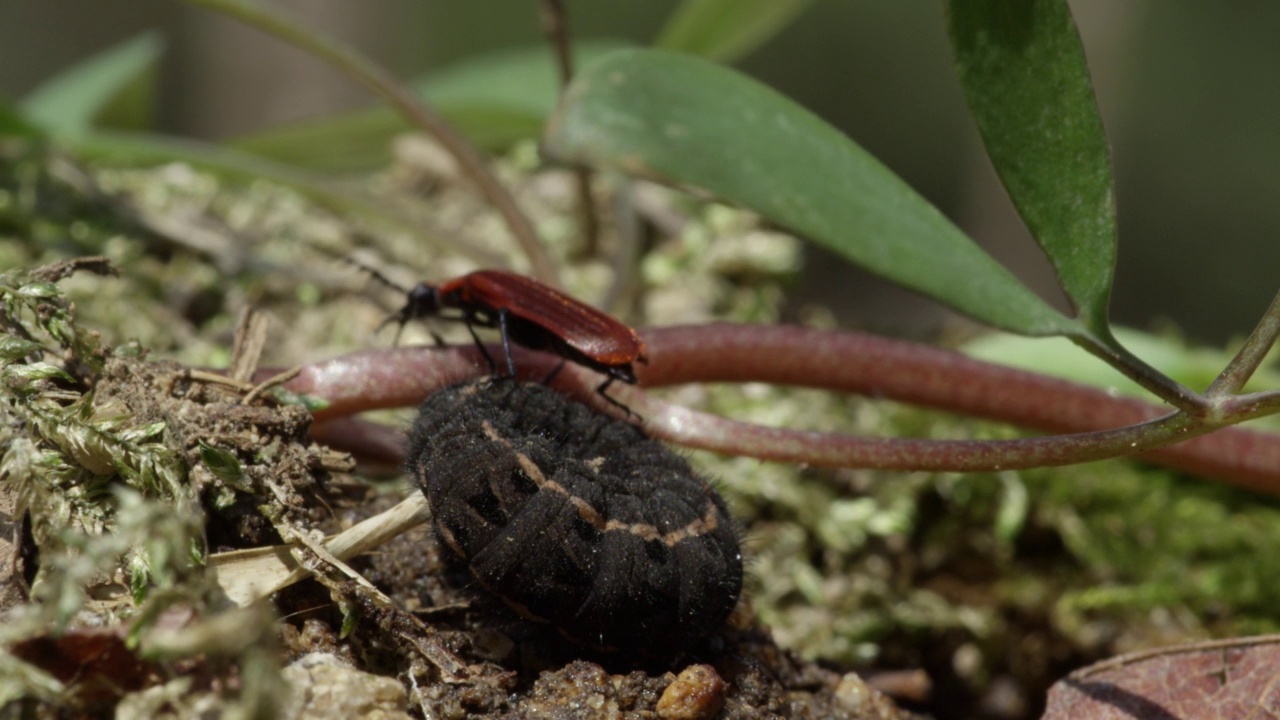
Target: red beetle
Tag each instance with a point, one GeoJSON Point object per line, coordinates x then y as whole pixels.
{"type": "Point", "coordinates": [533, 315]}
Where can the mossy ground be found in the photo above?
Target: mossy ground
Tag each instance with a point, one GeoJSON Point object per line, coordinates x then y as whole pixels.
{"type": "Point", "coordinates": [995, 584]}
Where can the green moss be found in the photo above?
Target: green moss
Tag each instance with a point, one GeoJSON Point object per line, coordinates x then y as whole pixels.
{"type": "Point", "coordinates": [1148, 539]}
{"type": "Point", "coordinates": [1103, 557]}
{"type": "Point", "coordinates": [848, 565]}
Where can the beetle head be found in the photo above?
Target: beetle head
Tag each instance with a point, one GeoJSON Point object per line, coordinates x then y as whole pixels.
{"type": "Point", "coordinates": [423, 300]}
{"type": "Point", "coordinates": [420, 301]}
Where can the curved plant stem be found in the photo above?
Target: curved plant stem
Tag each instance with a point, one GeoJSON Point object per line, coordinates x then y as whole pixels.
{"type": "Point", "coordinates": [1101, 425]}
{"type": "Point", "coordinates": [705, 432]}
{"type": "Point", "coordinates": [384, 84]}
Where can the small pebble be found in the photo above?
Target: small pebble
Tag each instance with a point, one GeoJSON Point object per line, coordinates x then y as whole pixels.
{"type": "Point", "coordinates": [698, 692]}
{"type": "Point", "coordinates": [855, 695]}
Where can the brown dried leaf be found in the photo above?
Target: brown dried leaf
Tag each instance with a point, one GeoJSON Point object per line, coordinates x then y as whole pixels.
{"type": "Point", "coordinates": [1233, 678]}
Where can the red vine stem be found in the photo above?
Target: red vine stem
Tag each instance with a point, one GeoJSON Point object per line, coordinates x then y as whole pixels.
{"type": "Point", "coordinates": [1100, 425]}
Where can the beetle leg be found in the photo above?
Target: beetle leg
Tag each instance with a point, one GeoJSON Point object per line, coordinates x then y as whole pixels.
{"type": "Point", "coordinates": [468, 320]}
{"type": "Point", "coordinates": [602, 387]}
{"type": "Point", "coordinates": [554, 372]}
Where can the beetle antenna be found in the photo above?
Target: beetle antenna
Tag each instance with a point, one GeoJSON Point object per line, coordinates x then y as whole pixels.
{"type": "Point", "coordinates": [375, 274]}
{"type": "Point", "coordinates": [420, 301]}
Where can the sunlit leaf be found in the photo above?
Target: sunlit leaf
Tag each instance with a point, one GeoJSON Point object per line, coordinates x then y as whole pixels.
{"type": "Point", "coordinates": [39, 289]}
{"type": "Point", "coordinates": [15, 348]}
{"type": "Point", "coordinates": [143, 433]}
{"type": "Point", "coordinates": [684, 121]}
{"type": "Point", "coordinates": [36, 371]}
{"type": "Point", "coordinates": [1023, 71]}
{"type": "Point", "coordinates": [726, 30]}
{"type": "Point", "coordinates": [69, 102]}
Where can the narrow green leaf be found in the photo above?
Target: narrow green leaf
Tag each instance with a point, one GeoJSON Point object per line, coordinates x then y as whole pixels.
{"type": "Point", "coordinates": [139, 578]}
{"type": "Point", "coordinates": [142, 148]}
{"type": "Point", "coordinates": [40, 290]}
{"type": "Point", "coordinates": [13, 124]}
{"type": "Point", "coordinates": [143, 433]}
{"type": "Point", "coordinates": [726, 30]}
{"type": "Point", "coordinates": [1023, 71]}
{"type": "Point", "coordinates": [35, 372]}
{"type": "Point", "coordinates": [15, 348]}
{"type": "Point", "coordinates": [69, 102]}
{"type": "Point", "coordinates": [348, 142]}
{"type": "Point", "coordinates": [688, 122]}
{"type": "Point", "coordinates": [495, 100]}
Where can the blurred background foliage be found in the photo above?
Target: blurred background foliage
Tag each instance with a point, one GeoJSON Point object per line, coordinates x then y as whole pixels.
{"type": "Point", "coordinates": [1181, 86]}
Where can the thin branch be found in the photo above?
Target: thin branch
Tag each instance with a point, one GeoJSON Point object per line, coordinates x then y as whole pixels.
{"type": "Point", "coordinates": [1136, 369]}
{"type": "Point", "coordinates": [273, 381]}
{"type": "Point", "coordinates": [386, 85]}
{"type": "Point", "coordinates": [1250, 405]}
{"type": "Point", "coordinates": [1251, 355]}
{"type": "Point", "coordinates": [555, 25]}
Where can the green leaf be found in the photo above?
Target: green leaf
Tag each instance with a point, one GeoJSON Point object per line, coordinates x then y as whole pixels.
{"type": "Point", "coordinates": [688, 122]}
{"type": "Point", "coordinates": [223, 464]}
{"type": "Point", "coordinates": [143, 433]}
{"type": "Point", "coordinates": [726, 30]}
{"type": "Point", "coordinates": [139, 578]}
{"type": "Point", "coordinates": [13, 124]}
{"type": "Point", "coordinates": [35, 372]}
{"type": "Point", "coordinates": [40, 289]}
{"type": "Point", "coordinates": [68, 103]}
{"type": "Point", "coordinates": [350, 142]}
{"type": "Point", "coordinates": [15, 348]}
{"type": "Point", "coordinates": [1023, 71]}
{"type": "Point", "coordinates": [495, 100]}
